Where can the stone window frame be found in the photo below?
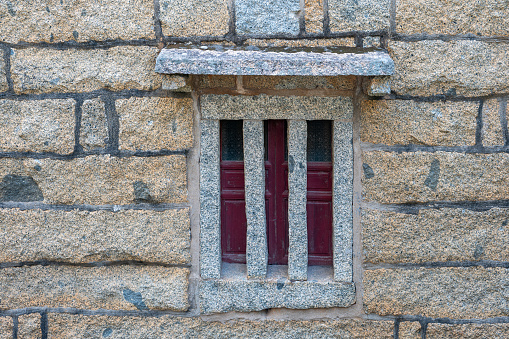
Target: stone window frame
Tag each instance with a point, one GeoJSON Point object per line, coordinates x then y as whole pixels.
{"type": "Point", "coordinates": [255, 285]}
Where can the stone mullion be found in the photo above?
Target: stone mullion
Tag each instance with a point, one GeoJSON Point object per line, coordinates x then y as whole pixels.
{"type": "Point", "coordinates": [254, 178]}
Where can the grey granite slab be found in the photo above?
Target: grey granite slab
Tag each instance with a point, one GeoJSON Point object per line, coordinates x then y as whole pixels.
{"type": "Point", "coordinates": [317, 61]}
{"type": "Point", "coordinates": [342, 201]}
{"type": "Point", "coordinates": [218, 296]}
{"type": "Point", "coordinates": [254, 182]}
{"type": "Point", "coordinates": [210, 201]}
{"type": "Point", "coordinates": [297, 191]}
{"type": "Point", "coordinates": [267, 16]}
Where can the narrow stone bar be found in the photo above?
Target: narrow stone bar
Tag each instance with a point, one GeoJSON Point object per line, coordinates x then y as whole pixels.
{"type": "Point", "coordinates": [297, 187]}
{"type": "Point", "coordinates": [210, 201]}
{"type": "Point", "coordinates": [254, 181]}
{"type": "Point", "coordinates": [342, 201]}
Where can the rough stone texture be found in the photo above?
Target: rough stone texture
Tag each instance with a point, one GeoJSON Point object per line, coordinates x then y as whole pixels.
{"type": "Point", "coordinates": [346, 83]}
{"type": "Point", "coordinates": [194, 17]}
{"type": "Point", "coordinates": [313, 10]}
{"type": "Point", "coordinates": [297, 190]}
{"type": "Point", "coordinates": [254, 173]}
{"type": "Point", "coordinates": [41, 70]}
{"type": "Point", "coordinates": [464, 67]}
{"type": "Point", "coordinates": [147, 236]}
{"type": "Point", "coordinates": [404, 122]}
{"type": "Point", "coordinates": [110, 287]}
{"type": "Point", "coordinates": [410, 330]}
{"type": "Point", "coordinates": [320, 61]}
{"type": "Point", "coordinates": [267, 17]}
{"type": "Point", "coordinates": [176, 83]}
{"type": "Point", "coordinates": [29, 326]}
{"type": "Point", "coordinates": [94, 125]}
{"type": "Point", "coordinates": [210, 201]}
{"type": "Point", "coordinates": [494, 112]}
{"type": "Point", "coordinates": [488, 18]}
{"type": "Point", "coordinates": [216, 81]}
{"type": "Point", "coordinates": [458, 293]}
{"type": "Point", "coordinates": [155, 123]}
{"type": "Point", "coordinates": [379, 86]}
{"type": "Point", "coordinates": [6, 327]}
{"type": "Point", "coordinates": [467, 331]}
{"type": "Point", "coordinates": [451, 235]}
{"type": "Point", "coordinates": [261, 107]}
{"type": "Point", "coordinates": [420, 177]}
{"type": "Point", "coordinates": [247, 296]}
{"type": "Point", "coordinates": [37, 126]}
{"type": "Point", "coordinates": [80, 20]}
{"type": "Point", "coordinates": [359, 15]}
{"type": "Point", "coordinates": [334, 42]}
{"type": "Point", "coordinates": [342, 201]}
{"type": "Point", "coordinates": [371, 41]}
{"type": "Point", "coordinates": [4, 85]}
{"type": "Point", "coordinates": [102, 179]}
{"type": "Point", "coordinates": [167, 327]}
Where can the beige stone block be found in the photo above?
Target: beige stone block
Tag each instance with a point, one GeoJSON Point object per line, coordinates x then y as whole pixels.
{"type": "Point", "coordinates": [445, 235]}
{"type": "Point", "coordinates": [194, 17]}
{"type": "Point", "coordinates": [37, 126]}
{"type": "Point", "coordinates": [148, 236]}
{"type": "Point", "coordinates": [457, 293]}
{"type": "Point", "coordinates": [109, 287]}
{"type": "Point", "coordinates": [359, 15]}
{"type": "Point", "coordinates": [79, 20]}
{"type": "Point", "coordinates": [216, 81]}
{"type": "Point", "coordinates": [492, 112]}
{"type": "Point", "coordinates": [346, 83]}
{"type": "Point", "coordinates": [155, 123]}
{"type": "Point", "coordinates": [391, 177]}
{"type": "Point", "coordinates": [463, 67]}
{"type": "Point", "coordinates": [404, 122]}
{"type": "Point", "coordinates": [313, 10]}
{"type": "Point", "coordinates": [42, 70]}
{"type": "Point", "coordinates": [94, 125]}
{"type": "Point", "coordinates": [467, 331]}
{"type": "Point", "coordinates": [103, 179]}
{"type": "Point", "coordinates": [78, 326]}
{"type": "Point", "coordinates": [6, 327]}
{"type": "Point", "coordinates": [29, 326]}
{"type": "Point", "coordinates": [452, 17]}
{"type": "Point", "coordinates": [409, 330]}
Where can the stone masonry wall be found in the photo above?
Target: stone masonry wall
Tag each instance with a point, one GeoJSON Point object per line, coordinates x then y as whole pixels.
{"type": "Point", "coordinates": [99, 210]}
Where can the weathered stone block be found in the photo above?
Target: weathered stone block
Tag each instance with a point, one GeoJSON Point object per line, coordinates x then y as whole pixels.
{"type": "Point", "coordinates": [6, 327]}
{"type": "Point", "coordinates": [450, 235]}
{"type": "Point", "coordinates": [96, 180]}
{"type": "Point", "coordinates": [451, 17]}
{"type": "Point", "coordinates": [80, 20]}
{"type": "Point", "coordinates": [275, 107]}
{"type": "Point", "coordinates": [41, 70]}
{"type": "Point", "coordinates": [467, 331]}
{"type": "Point", "coordinates": [463, 67]}
{"type": "Point", "coordinates": [194, 17]}
{"type": "Point", "coordinates": [176, 83]}
{"type": "Point", "coordinates": [155, 123]}
{"type": "Point", "coordinates": [29, 326]}
{"type": "Point", "coordinates": [4, 85]}
{"type": "Point", "coordinates": [346, 83]}
{"type": "Point", "coordinates": [267, 17]}
{"type": "Point", "coordinates": [404, 122]}
{"type": "Point", "coordinates": [215, 81]}
{"type": "Point", "coordinates": [461, 293]}
{"type": "Point", "coordinates": [110, 287]}
{"type": "Point", "coordinates": [335, 42]}
{"type": "Point", "coordinates": [391, 177]}
{"type": "Point", "coordinates": [166, 327]}
{"type": "Point", "coordinates": [94, 125]}
{"type": "Point", "coordinates": [410, 330]}
{"type": "Point", "coordinates": [147, 236]}
{"type": "Point", "coordinates": [494, 111]}
{"type": "Point", "coordinates": [359, 15]}
{"type": "Point", "coordinates": [313, 10]}
{"type": "Point", "coordinates": [37, 126]}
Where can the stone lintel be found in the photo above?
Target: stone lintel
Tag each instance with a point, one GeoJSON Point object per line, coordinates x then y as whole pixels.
{"type": "Point", "coordinates": [251, 60]}
{"type": "Point", "coordinates": [297, 191]}
{"type": "Point", "coordinates": [254, 178]}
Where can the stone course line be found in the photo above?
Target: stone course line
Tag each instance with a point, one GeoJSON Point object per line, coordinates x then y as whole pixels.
{"type": "Point", "coordinates": [479, 149]}
{"type": "Point", "coordinates": [112, 208]}
{"type": "Point", "coordinates": [481, 263]}
{"type": "Point", "coordinates": [445, 37]}
{"type": "Point", "coordinates": [478, 206]}
{"type": "Point", "coordinates": [90, 264]}
{"type": "Point", "coordinates": [158, 30]}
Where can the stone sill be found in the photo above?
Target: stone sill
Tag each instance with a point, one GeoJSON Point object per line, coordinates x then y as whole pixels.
{"type": "Point", "coordinates": [234, 292]}
{"type": "Point", "coordinates": [250, 60]}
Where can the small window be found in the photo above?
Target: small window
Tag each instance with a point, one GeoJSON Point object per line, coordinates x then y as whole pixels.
{"type": "Point", "coordinates": [319, 192]}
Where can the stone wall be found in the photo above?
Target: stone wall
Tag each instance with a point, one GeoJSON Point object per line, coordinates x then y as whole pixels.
{"type": "Point", "coordinates": [99, 191]}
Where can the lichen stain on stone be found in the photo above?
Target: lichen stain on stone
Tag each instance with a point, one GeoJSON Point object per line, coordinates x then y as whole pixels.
{"type": "Point", "coordinates": [433, 176]}
{"type": "Point", "coordinates": [135, 298]}
{"type": "Point", "coordinates": [107, 332]}
{"type": "Point", "coordinates": [291, 163]}
{"type": "Point", "coordinates": [368, 171]}
{"type": "Point", "coordinates": [19, 188]}
{"type": "Point", "coordinates": [478, 252]}
{"type": "Point", "coordinates": [142, 192]}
